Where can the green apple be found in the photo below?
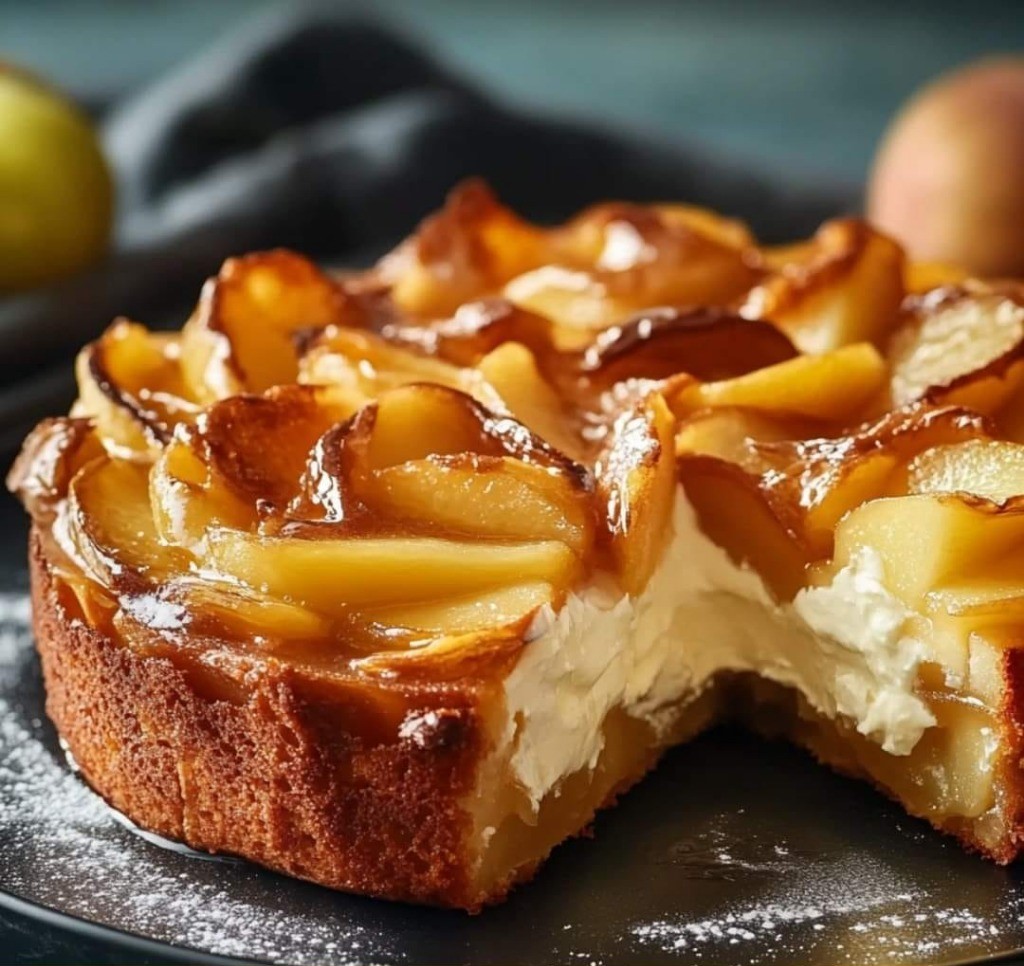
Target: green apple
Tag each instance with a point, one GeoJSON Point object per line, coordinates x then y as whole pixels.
{"type": "Point", "coordinates": [56, 191]}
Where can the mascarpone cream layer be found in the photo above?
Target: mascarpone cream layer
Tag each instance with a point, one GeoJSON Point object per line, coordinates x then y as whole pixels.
{"type": "Point", "coordinates": [845, 647]}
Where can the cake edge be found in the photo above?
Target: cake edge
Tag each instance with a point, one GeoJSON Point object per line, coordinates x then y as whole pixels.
{"type": "Point", "coordinates": [262, 779]}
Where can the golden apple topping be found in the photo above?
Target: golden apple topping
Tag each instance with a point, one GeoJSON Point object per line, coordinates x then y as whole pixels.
{"type": "Point", "coordinates": [414, 459]}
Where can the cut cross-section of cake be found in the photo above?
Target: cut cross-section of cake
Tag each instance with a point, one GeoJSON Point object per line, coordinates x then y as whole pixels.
{"type": "Point", "coordinates": [391, 580]}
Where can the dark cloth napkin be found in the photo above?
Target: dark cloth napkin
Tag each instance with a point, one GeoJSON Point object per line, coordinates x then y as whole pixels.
{"type": "Point", "coordinates": [331, 134]}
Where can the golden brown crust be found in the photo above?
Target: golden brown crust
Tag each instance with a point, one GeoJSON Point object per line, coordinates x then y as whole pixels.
{"type": "Point", "coordinates": [1011, 766]}
{"type": "Point", "coordinates": [276, 777]}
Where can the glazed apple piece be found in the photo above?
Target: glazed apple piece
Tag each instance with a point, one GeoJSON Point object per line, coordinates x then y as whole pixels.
{"type": "Point", "coordinates": [575, 299]}
{"type": "Point", "coordinates": [106, 524]}
{"type": "Point", "coordinates": [820, 480]}
{"type": "Point", "coordinates": [430, 460]}
{"type": "Point", "coordinates": [836, 386]}
{"type": "Point", "coordinates": [468, 250]}
{"type": "Point", "coordinates": [260, 445]}
{"type": "Point", "coordinates": [926, 541]}
{"type": "Point", "coordinates": [708, 344]}
{"type": "Point", "coordinates": [187, 498]}
{"type": "Point", "coordinates": [512, 373]}
{"type": "Point", "coordinates": [727, 231]}
{"type": "Point", "coordinates": [130, 384]}
{"type": "Point", "coordinates": [411, 423]}
{"type": "Point", "coordinates": [418, 421]}
{"type": "Point", "coordinates": [242, 462]}
{"type": "Point", "coordinates": [332, 576]}
{"type": "Point", "coordinates": [730, 433]}
{"type": "Point", "coordinates": [988, 468]}
{"type": "Point", "coordinates": [241, 336]}
{"type": "Point", "coordinates": [51, 455]}
{"type": "Point", "coordinates": [443, 657]}
{"type": "Point", "coordinates": [617, 259]}
{"type": "Point", "coordinates": [462, 615]}
{"type": "Point", "coordinates": [245, 613]}
{"type": "Point", "coordinates": [733, 510]}
{"type": "Point", "coordinates": [960, 347]}
{"type": "Point", "coordinates": [491, 497]}
{"type": "Point", "coordinates": [844, 287]}
{"type": "Point", "coordinates": [923, 277]}
{"type": "Point", "coordinates": [364, 365]}
{"type": "Point", "coordinates": [636, 488]}
{"type": "Point", "coordinates": [657, 254]}
{"type": "Point", "coordinates": [480, 327]}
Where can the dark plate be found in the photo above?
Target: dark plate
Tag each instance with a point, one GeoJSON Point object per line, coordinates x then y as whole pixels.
{"type": "Point", "coordinates": [735, 851]}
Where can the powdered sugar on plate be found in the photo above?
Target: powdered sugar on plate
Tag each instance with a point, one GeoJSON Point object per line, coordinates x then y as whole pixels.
{"type": "Point", "coordinates": [857, 910]}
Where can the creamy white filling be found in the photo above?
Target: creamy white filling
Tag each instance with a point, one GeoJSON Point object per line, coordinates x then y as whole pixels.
{"type": "Point", "coordinates": [845, 647]}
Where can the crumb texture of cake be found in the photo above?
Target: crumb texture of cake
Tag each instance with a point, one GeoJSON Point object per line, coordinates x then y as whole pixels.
{"type": "Point", "coordinates": [391, 579]}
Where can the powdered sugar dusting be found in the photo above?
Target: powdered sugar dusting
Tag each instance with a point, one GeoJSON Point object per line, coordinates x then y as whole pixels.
{"type": "Point", "coordinates": [857, 908]}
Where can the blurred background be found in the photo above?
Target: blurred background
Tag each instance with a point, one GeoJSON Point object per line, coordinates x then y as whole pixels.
{"type": "Point", "coordinates": [806, 84]}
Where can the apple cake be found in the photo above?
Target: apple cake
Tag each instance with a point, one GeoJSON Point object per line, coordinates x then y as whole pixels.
{"type": "Point", "coordinates": [389, 580]}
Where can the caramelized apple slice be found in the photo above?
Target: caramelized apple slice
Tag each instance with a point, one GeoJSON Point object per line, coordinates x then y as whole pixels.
{"type": "Point", "coordinates": [926, 541]}
{"type": "Point", "coordinates": [493, 497]}
{"type": "Point", "coordinates": [438, 658]}
{"type": "Point", "coordinates": [923, 277]}
{"type": "Point", "coordinates": [242, 463]}
{"type": "Point", "coordinates": [726, 231]}
{"type": "Point", "coordinates": [332, 576]}
{"type": "Point", "coordinates": [465, 251]}
{"type": "Point", "coordinates": [241, 337]}
{"type": "Point", "coordinates": [462, 615]}
{"type": "Point", "coordinates": [594, 299]}
{"type": "Point", "coordinates": [455, 433]}
{"type": "Point", "coordinates": [480, 327]}
{"type": "Point", "coordinates": [512, 372]}
{"type": "Point", "coordinates": [730, 433]}
{"type": "Point", "coordinates": [50, 456]}
{"type": "Point", "coordinates": [188, 498]}
{"type": "Point", "coordinates": [835, 386]}
{"type": "Point", "coordinates": [709, 344]}
{"type": "Point", "coordinates": [616, 259]}
{"type": "Point", "coordinates": [821, 479]}
{"type": "Point", "coordinates": [823, 502]}
{"type": "Point", "coordinates": [636, 484]}
{"type": "Point", "coordinates": [987, 468]}
{"type": "Point", "coordinates": [106, 525]}
{"type": "Point", "coordinates": [733, 511]}
{"type": "Point", "coordinates": [365, 365]}
{"type": "Point", "coordinates": [846, 287]}
{"type": "Point", "coordinates": [417, 421]}
{"type": "Point", "coordinates": [260, 445]}
{"type": "Point", "coordinates": [244, 613]}
{"type": "Point", "coordinates": [130, 384]}
{"type": "Point", "coordinates": [960, 347]}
